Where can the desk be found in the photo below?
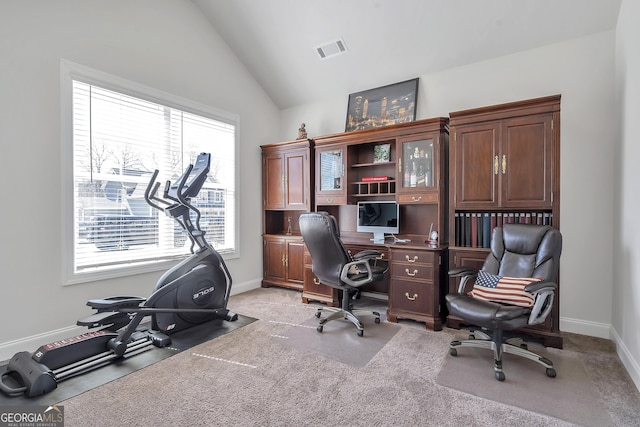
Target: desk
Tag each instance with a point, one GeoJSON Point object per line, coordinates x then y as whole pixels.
{"type": "Point", "coordinates": [415, 283]}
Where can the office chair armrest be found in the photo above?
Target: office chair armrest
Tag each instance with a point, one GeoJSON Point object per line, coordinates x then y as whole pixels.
{"type": "Point", "coordinates": [367, 254]}
{"type": "Point", "coordinates": [344, 274]}
{"type": "Point", "coordinates": [465, 273]}
{"type": "Point", "coordinates": [535, 287]}
{"type": "Point", "coordinates": [462, 271]}
{"type": "Point", "coordinates": [543, 303]}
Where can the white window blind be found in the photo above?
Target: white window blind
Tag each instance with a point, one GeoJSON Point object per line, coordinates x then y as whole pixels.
{"type": "Point", "coordinates": [118, 141]}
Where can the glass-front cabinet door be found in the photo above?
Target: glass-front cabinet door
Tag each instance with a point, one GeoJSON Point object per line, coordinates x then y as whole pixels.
{"type": "Point", "coordinates": [330, 176]}
{"type": "Point", "coordinates": [417, 171]}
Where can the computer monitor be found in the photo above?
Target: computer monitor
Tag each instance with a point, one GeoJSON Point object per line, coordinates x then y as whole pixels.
{"type": "Point", "coordinates": [378, 217]}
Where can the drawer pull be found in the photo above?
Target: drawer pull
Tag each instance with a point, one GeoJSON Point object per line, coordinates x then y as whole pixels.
{"type": "Point", "coordinates": [416, 199]}
{"type": "Point", "coordinates": [410, 273]}
{"type": "Point", "coordinates": [415, 258]}
{"type": "Point", "coordinates": [316, 281]}
{"type": "Point", "coordinates": [411, 298]}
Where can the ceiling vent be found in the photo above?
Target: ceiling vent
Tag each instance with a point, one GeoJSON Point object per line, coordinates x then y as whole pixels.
{"type": "Point", "coordinates": [330, 49]}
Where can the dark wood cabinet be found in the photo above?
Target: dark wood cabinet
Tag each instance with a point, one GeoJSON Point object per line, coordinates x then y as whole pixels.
{"type": "Point", "coordinates": [504, 164]}
{"type": "Point", "coordinates": [413, 173]}
{"type": "Point", "coordinates": [314, 290]}
{"type": "Point", "coordinates": [406, 163]}
{"type": "Point", "coordinates": [504, 167]}
{"type": "Point", "coordinates": [287, 182]}
{"type": "Point", "coordinates": [283, 262]}
{"type": "Point", "coordinates": [417, 286]}
{"type": "Point", "coordinates": [286, 176]}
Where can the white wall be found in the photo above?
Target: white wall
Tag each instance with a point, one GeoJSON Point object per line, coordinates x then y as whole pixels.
{"type": "Point", "coordinates": [164, 44]}
{"type": "Point", "coordinates": [582, 71]}
{"type": "Point", "coordinates": [626, 278]}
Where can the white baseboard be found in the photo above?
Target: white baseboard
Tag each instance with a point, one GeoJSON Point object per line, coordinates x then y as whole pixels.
{"type": "Point", "coordinates": [632, 366]}
{"type": "Point", "coordinates": [602, 330]}
{"type": "Point", "coordinates": [583, 327]}
{"type": "Point", "coordinates": [31, 344]}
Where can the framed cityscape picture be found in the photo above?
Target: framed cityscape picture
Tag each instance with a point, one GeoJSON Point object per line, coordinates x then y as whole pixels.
{"type": "Point", "coordinates": [383, 106]}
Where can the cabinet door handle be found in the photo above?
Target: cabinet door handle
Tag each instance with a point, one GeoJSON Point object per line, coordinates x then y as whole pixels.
{"type": "Point", "coordinates": [410, 273]}
{"type": "Point", "coordinates": [415, 258]}
{"type": "Point", "coordinates": [400, 165]}
{"type": "Point", "coordinates": [504, 164]}
{"type": "Point", "coordinates": [316, 281]}
{"type": "Point", "coordinates": [495, 165]}
{"type": "Point", "coordinates": [283, 260]}
{"type": "Point", "coordinates": [411, 298]}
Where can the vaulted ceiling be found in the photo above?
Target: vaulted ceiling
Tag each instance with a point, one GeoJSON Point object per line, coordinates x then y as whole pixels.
{"type": "Point", "coordinates": [388, 41]}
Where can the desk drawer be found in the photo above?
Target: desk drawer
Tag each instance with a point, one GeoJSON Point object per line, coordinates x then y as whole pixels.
{"type": "Point", "coordinates": [412, 296]}
{"type": "Point", "coordinates": [330, 200]}
{"type": "Point", "coordinates": [422, 257]}
{"type": "Point", "coordinates": [405, 270]}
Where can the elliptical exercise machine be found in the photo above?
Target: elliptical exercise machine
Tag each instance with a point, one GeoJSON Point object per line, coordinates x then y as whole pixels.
{"type": "Point", "coordinates": [193, 292]}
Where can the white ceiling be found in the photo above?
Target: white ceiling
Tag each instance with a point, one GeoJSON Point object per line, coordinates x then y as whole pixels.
{"type": "Point", "coordinates": [388, 41]}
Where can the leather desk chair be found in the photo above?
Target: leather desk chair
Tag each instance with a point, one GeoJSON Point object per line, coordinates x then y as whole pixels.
{"type": "Point", "coordinates": [522, 256]}
{"type": "Point", "coordinates": [333, 266]}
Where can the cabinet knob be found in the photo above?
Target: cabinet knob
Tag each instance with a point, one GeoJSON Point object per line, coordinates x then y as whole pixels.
{"type": "Point", "coordinates": [415, 258]}
{"type": "Point", "coordinates": [410, 273]}
{"type": "Point", "coordinates": [316, 281]}
{"type": "Point", "coordinates": [411, 298]}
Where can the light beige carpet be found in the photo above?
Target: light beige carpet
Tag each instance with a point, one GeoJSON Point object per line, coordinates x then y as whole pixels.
{"type": "Point", "coordinates": [248, 378]}
{"type": "Point", "coordinates": [570, 396]}
{"type": "Point", "coordinates": [339, 340]}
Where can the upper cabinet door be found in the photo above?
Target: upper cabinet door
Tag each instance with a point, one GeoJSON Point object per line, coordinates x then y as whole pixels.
{"type": "Point", "coordinates": [330, 179]}
{"type": "Point", "coordinates": [476, 165]}
{"type": "Point", "coordinates": [273, 181]}
{"type": "Point", "coordinates": [525, 162]}
{"type": "Point", "coordinates": [295, 182]}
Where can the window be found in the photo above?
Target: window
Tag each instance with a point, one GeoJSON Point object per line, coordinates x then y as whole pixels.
{"type": "Point", "coordinates": [114, 136]}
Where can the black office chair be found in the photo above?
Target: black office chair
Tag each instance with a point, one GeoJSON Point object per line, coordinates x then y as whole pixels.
{"type": "Point", "coordinates": [515, 288]}
{"type": "Point", "coordinates": [333, 266]}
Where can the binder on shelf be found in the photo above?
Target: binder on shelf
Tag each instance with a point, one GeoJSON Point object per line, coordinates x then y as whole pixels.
{"type": "Point", "coordinates": [474, 230]}
{"type": "Point", "coordinates": [480, 229]}
{"type": "Point", "coordinates": [486, 230]}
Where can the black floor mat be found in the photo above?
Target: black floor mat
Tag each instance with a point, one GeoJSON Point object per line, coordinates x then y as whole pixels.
{"type": "Point", "coordinates": [180, 341]}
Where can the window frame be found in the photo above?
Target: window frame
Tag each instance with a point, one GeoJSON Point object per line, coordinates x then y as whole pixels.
{"type": "Point", "coordinates": [70, 71]}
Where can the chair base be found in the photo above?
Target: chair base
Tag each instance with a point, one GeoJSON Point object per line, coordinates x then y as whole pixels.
{"type": "Point", "coordinates": [350, 315]}
{"type": "Point", "coordinates": [515, 346]}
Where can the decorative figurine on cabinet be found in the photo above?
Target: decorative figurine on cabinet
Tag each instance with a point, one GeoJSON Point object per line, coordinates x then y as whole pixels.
{"type": "Point", "coordinates": [302, 132]}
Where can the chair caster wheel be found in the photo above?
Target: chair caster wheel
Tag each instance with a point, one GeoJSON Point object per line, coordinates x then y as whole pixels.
{"type": "Point", "coordinates": [360, 332]}
{"type": "Point", "coordinates": [551, 373]}
{"type": "Point", "coordinates": [500, 376]}
{"type": "Point", "coordinates": [319, 328]}
{"type": "Point", "coordinates": [453, 352]}
{"type": "Point", "coordinates": [377, 320]}
{"type": "Point", "coordinates": [318, 314]}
